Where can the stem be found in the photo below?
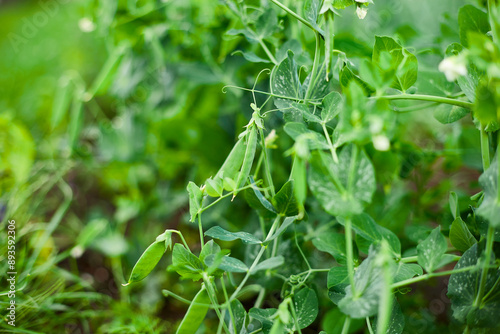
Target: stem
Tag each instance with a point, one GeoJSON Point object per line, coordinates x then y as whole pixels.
{"type": "Point", "coordinates": [485, 149]}
{"type": "Point", "coordinates": [295, 15]}
{"type": "Point", "coordinates": [347, 323]}
{"type": "Point", "coordinates": [350, 257]}
{"type": "Point", "coordinates": [385, 305]}
{"type": "Point", "coordinates": [409, 259]}
{"type": "Point", "coordinates": [213, 299]}
{"type": "Point", "coordinates": [317, 52]}
{"type": "Point", "coordinates": [428, 276]}
{"type": "Point", "coordinates": [267, 169]}
{"type": "Point", "coordinates": [268, 52]}
{"type": "Point", "coordinates": [484, 272]}
{"type": "Point", "coordinates": [437, 99]}
{"type": "Point", "coordinates": [200, 229]}
{"type": "Point", "coordinates": [330, 144]}
{"type": "Point", "coordinates": [233, 321]}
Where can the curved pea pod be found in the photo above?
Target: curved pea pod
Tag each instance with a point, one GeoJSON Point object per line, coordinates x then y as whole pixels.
{"type": "Point", "coordinates": [195, 314]}
{"type": "Point", "coordinates": [233, 162]}
{"type": "Point", "coordinates": [249, 157]}
{"type": "Point", "coordinates": [148, 261]}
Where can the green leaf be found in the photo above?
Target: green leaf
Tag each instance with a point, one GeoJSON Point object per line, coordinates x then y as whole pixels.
{"type": "Point", "coordinates": [287, 222]}
{"type": "Point", "coordinates": [341, 4]}
{"type": "Point", "coordinates": [266, 24]}
{"type": "Point", "coordinates": [396, 322]}
{"type": "Point", "coordinates": [431, 250]}
{"type": "Point", "coordinates": [249, 34]}
{"type": "Point", "coordinates": [388, 54]}
{"type": "Point", "coordinates": [338, 280]}
{"type": "Point", "coordinates": [454, 206]}
{"type": "Point", "coordinates": [368, 282]}
{"type": "Point", "coordinates": [239, 315]}
{"type": "Point", "coordinates": [148, 261]}
{"type": "Point", "coordinates": [214, 187]}
{"type": "Point", "coordinates": [232, 265]}
{"type": "Point", "coordinates": [285, 81]}
{"type": "Point", "coordinates": [462, 290]}
{"type": "Point", "coordinates": [472, 19]}
{"type": "Point", "coordinates": [485, 107]}
{"type": "Point", "coordinates": [314, 139]}
{"type": "Point", "coordinates": [195, 199]}
{"type": "Point", "coordinates": [257, 201]}
{"type": "Point", "coordinates": [185, 263]}
{"type": "Point", "coordinates": [406, 271]}
{"type": "Point", "coordinates": [306, 307]}
{"type": "Point", "coordinates": [447, 114]}
{"type": "Point", "coordinates": [218, 232]}
{"type": "Point", "coordinates": [285, 202]}
{"type": "Point", "coordinates": [311, 12]}
{"type": "Point", "coordinates": [368, 229]}
{"type": "Point", "coordinates": [251, 56]}
{"type": "Point", "coordinates": [210, 248]}
{"type": "Point", "coordinates": [295, 112]}
{"type": "Point", "coordinates": [344, 188]}
{"type": "Point", "coordinates": [270, 263]}
{"type": "Point", "coordinates": [490, 208]}
{"type": "Point", "coordinates": [332, 105]}
{"type": "Point", "coordinates": [346, 76]}
{"type": "Point", "coordinates": [460, 236]}
{"type": "Point", "coordinates": [333, 244]}
{"type": "Point", "coordinates": [265, 316]}
{"type": "Point", "coordinates": [195, 314]}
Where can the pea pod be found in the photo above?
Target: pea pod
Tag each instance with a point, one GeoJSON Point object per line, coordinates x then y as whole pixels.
{"type": "Point", "coordinates": [249, 157]}
{"type": "Point", "coordinates": [233, 162]}
{"type": "Point", "coordinates": [148, 260]}
{"type": "Point", "coordinates": [195, 313]}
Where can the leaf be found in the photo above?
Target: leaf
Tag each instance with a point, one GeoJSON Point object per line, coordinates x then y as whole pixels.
{"type": "Point", "coordinates": [460, 236]}
{"type": "Point", "coordinates": [320, 88]}
{"type": "Point", "coordinates": [489, 208]}
{"type": "Point", "coordinates": [239, 315]}
{"type": "Point", "coordinates": [265, 316]}
{"type": "Point", "coordinates": [218, 232]}
{"type": "Point", "coordinates": [404, 62]}
{"type": "Point", "coordinates": [285, 202]}
{"type": "Point", "coordinates": [344, 188]}
{"type": "Point", "coordinates": [332, 243]}
{"type": "Point", "coordinates": [368, 229]}
{"type": "Point", "coordinates": [295, 112]}
{"type": "Point", "coordinates": [148, 261]}
{"type": "Point", "coordinates": [341, 4]}
{"type": "Point", "coordinates": [406, 271]}
{"type": "Point", "coordinates": [210, 248]}
{"type": "Point", "coordinates": [232, 265]}
{"type": "Point", "coordinates": [306, 307]}
{"type": "Point", "coordinates": [396, 321]}
{"type": "Point", "coordinates": [311, 11]}
{"type": "Point", "coordinates": [270, 263]}
{"type": "Point", "coordinates": [195, 314]}
{"type": "Point", "coordinates": [454, 206]}
{"type": "Point", "coordinates": [249, 34]}
{"type": "Point", "coordinates": [346, 76]}
{"type": "Point", "coordinates": [368, 281]}
{"type": "Point", "coordinates": [469, 82]}
{"type": "Point", "coordinates": [447, 114]}
{"type": "Point", "coordinates": [251, 56]}
{"type": "Point", "coordinates": [462, 290]}
{"type": "Point", "coordinates": [431, 250]}
{"type": "Point", "coordinates": [471, 19]}
{"type": "Point", "coordinates": [315, 140]}
{"type": "Point", "coordinates": [332, 104]}
{"type": "Point", "coordinates": [266, 24]}
{"type": "Point", "coordinates": [287, 222]}
{"type": "Point", "coordinates": [185, 263]}
{"type": "Point", "coordinates": [258, 202]}
{"type": "Point", "coordinates": [195, 199]}
{"type": "Point", "coordinates": [285, 81]}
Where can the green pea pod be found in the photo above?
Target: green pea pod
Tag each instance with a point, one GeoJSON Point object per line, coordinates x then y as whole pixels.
{"type": "Point", "coordinates": [195, 313]}
{"type": "Point", "coordinates": [233, 162]}
{"type": "Point", "coordinates": [148, 260]}
{"type": "Point", "coordinates": [249, 157]}
{"type": "Point", "coordinates": [300, 186]}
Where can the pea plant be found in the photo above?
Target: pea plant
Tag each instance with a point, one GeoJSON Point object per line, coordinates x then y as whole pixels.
{"type": "Point", "coordinates": [334, 124]}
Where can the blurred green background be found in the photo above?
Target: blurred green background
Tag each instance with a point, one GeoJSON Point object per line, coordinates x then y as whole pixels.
{"type": "Point", "coordinates": [109, 108]}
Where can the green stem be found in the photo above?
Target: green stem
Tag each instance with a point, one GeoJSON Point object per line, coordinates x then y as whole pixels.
{"type": "Point", "coordinates": [437, 99]}
{"type": "Point", "coordinates": [349, 251]}
{"type": "Point", "coordinates": [267, 169]}
{"type": "Point", "coordinates": [317, 53]}
{"type": "Point", "coordinates": [409, 259]}
{"type": "Point", "coordinates": [430, 275]}
{"type": "Point", "coordinates": [295, 15]}
{"type": "Point", "coordinates": [485, 149]}
{"type": "Point", "coordinates": [268, 52]}
{"type": "Point", "coordinates": [233, 321]}
{"type": "Point", "coordinates": [347, 324]}
{"type": "Point", "coordinates": [200, 229]}
{"type": "Point", "coordinates": [330, 144]}
{"type": "Point", "coordinates": [213, 299]}
{"type": "Point", "coordinates": [385, 305]}
{"type": "Point", "coordinates": [484, 272]}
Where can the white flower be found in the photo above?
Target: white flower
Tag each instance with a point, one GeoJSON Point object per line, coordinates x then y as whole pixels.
{"type": "Point", "coordinates": [453, 67]}
{"type": "Point", "coordinates": [381, 143]}
{"type": "Point", "coordinates": [86, 25]}
{"type": "Point", "coordinates": [362, 1]}
{"type": "Point", "coordinates": [361, 11]}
